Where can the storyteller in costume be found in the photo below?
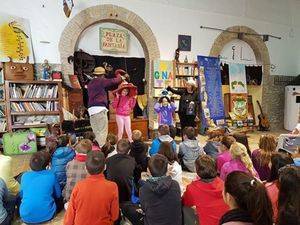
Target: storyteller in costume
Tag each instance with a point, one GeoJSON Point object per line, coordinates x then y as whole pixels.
{"type": "Point", "coordinates": [97, 104]}
{"type": "Point", "coordinates": [123, 103]}
{"type": "Point", "coordinates": [188, 104]}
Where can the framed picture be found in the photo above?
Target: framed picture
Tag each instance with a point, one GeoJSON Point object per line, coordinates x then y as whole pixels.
{"type": "Point", "coordinates": [184, 42]}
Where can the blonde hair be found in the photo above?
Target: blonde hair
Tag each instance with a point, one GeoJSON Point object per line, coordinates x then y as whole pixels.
{"type": "Point", "coordinates": [239, 151]}
{"type": "Point", "coordinates": [136, 135]}
{"type": "Point", "coordinates": [267, 145]}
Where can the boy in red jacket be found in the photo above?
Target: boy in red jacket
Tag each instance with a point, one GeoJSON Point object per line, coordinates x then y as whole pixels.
{"type": "Point", "coordinates": [94, 200]}
{"type": "Point", "coordinates": [206, 193]}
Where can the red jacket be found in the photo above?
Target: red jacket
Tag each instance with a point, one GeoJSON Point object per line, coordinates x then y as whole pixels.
{"type": "Point", "coordinates": [94, 200]}
{"type": "Point", "coordinates": [208, 199]}
{"type": "Point", "coordinates": [123, 105]}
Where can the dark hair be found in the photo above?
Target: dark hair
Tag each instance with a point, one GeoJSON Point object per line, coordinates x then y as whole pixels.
{"type": "Point", "coordinates": [89, 135]}
{"type": "Point", "coordinates": [206, 167]}
{"type": "Point", "coordinates": [164, 129]}
{"type": "Point", "coordinates": [158, 165]}
{"type": "Point", "coordinates": [243, 139]}
{"type": "Point", "coordinates": [95, 162]}
{"type": "Point", "coordinates": [84, 146]}
{"type": "Point", "coordinates": [227, 141]}
{"type": "Point", "coordinates": [39, 160]}
{"type": "Point", "coordinates": [62, 141]}
{"type": "Point", "coordinates": [251, 196]}
{"type": "Point", "coordinates": [161, 99]}
{"type": "Point", "coordinates": [166, 149]}
{"type": "Point", "coordinates": [189, 132]}
{"type": "Point", "coordinates": [172, 131]}
{"type": "Point", "coordinates": [123, 146]}
{"type": "Point", "coordinates": [51, 146]}
{"type": "Point", "coordinates": [278, 160]}
{"type": "Point", "coordinates": [112, 139]}
{"type": "Point", "coordinates": [289, 196]}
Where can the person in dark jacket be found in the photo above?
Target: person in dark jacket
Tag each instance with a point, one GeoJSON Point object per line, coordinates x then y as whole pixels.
{"type": "Point", "coordinates": [139, 150]}
{"type": "Point", "coordinates": [120, 168]}
{"type": "Point", "coordinates": [60, 158]}
{"type": "Point", "coordinates": [188, 104]}
{"type": "Point", "coordinates": [160, 195]}
{"type": "Point", "coordinates": [98, 105]}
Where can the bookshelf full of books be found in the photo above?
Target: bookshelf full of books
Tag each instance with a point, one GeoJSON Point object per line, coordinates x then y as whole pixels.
{"type": "Point", "coordinates": [33, 103]}
{"type": "Point", "coordinates": [183, 72]}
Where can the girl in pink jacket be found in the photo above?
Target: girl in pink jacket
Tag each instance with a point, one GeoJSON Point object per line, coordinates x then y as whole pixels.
{"type": "Point", "coordinates": [124, 102]}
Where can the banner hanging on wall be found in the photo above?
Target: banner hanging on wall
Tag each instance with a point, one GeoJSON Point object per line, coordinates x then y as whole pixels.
{"type": "Point", "coordinates": [237, 78]}
{"type": "Point", "coordinates": [15, 39]}
{"type": "Point", "coordinates": [211, 90]}
{"type": "Point", "coordinates": [163, 73]}
{"type": "Point", "coordinates": [114, 40]}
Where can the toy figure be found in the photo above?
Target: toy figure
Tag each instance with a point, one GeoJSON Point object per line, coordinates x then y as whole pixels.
{"type": "Point", "coordinates": [46, 70]}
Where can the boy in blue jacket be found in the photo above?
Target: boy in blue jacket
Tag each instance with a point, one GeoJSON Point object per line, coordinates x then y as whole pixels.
{"type": "Point", "coordinates": [60, 158]}
{"type": "Point", "coordinates": [40, 192]}
{"type": "Point", "coordinates": [163, 135]}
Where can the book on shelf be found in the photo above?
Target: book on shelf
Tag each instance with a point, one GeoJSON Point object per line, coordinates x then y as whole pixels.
{"type": "Point", "coordinates": [34, 106]}
{"type": "Point", "coordinates": [2, 125]}
{"type": "Point", "coordinates": [33, 91]}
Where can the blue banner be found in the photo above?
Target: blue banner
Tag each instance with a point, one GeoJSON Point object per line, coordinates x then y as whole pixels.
{"type": "Point", "coordinates": [211, 88]}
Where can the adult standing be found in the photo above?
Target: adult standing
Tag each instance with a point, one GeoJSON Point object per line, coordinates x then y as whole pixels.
{"type": "Point", "coordinates": [98, 104]}
{"type": "Point", "coordinates": [188, 104]}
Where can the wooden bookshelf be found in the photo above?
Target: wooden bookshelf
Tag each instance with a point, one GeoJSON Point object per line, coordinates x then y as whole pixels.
{"type": "Point", "coordinates": [183, 72]}
{"type": "Point", "coordinates": [21, 102]}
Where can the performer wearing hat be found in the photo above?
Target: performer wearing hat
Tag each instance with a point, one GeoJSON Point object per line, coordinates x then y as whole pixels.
{"type": "Point", "coordinates": [187, 104]}
{"type": "Point", "coordinates": [124, 102]}
{"type": "Point", "coordinates": [98, 105]}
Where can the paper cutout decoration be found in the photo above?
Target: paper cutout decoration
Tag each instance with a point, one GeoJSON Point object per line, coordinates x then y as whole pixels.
{"type": "Point", "coordinates": [15, 39]}
{"type": "Point", "coordinates": [163, 73]}
{"type": "Point", "coordinates": [237, 78]}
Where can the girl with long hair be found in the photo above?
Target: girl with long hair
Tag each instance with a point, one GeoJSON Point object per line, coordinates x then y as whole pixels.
{"type": "Point", "coordinates": [289, 196]}
{"type": "Point", "coordinates": [240, 161]}
{"type": "Point", "coordinates": [248, 201]}
{"type": "Point", "coordinates": [262, 156]}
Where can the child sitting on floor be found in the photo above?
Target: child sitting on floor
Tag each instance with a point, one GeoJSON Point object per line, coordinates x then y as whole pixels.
{"type": "Point", "coordinates": [189, 149]}
{"type": "Point", "coordinates": [75, 169]}
{"type": "Point", "coordinates": [60, 157]}
{"type": "Point", "coordinates": [91, 136]}
{"type": "Point", "coordinates": [163, 135]}
{"type": "Point", "coordinates": [110, 148]}
{"type": "Point", "coordinates": [94, 200]}
{"type": "Point", "coordinates": [7, 204]}
{"type": "Point", "coordinates": [40, 191]}
{"type": "Point", "coordinates": [139, 150]}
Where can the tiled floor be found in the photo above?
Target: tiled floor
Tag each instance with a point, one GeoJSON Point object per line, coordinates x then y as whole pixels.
{"type": "Point", "coordinates": [21, 162]}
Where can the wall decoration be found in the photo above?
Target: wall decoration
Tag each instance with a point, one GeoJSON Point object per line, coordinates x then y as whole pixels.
{"type": "Point", "coordinates": [18, 71]}
{"type": "Point", "coordinates": [211, 88]}
{"type": "Point", "coordinates": [114, 40]}
{"type": "Point", "coordinates": [163, 73]}
{"type": "Point", "coordinates": [237, 78]}
{"type": "Point", "coordinates": [15, 39]}
{"type": "Point", "coordinates": [239, 107]}
{"type": "Point", "coordinates": [184, 42]}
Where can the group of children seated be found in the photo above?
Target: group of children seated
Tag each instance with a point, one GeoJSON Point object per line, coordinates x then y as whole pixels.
{"type": "Point", "coordinates": [144, 185]}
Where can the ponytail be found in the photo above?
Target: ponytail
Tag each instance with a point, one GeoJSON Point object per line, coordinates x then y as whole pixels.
{"type": "Point", "coordinates": [250, 195]}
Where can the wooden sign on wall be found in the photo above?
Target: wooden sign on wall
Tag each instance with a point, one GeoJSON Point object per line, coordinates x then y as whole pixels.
{"type": "Point", "coordinates": [114, 40]}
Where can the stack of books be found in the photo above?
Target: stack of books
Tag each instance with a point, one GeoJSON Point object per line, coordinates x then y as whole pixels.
{"type": "Point", "coordinates": [33, 91]}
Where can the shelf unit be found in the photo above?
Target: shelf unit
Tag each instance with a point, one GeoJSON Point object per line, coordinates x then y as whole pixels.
{"type": "Point", "coordinates": [28, 103]}
{"type": "Point", "coordinates": [3, 109]}
{"type": "Point", "coordinates": [183, 72]}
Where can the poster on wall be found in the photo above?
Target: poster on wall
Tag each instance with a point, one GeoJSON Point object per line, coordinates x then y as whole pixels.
{"type": "Point", "coordinates": [237, 78]}
{"type": "Point", "coordinates": [211, 92]}
{"type": "Point", "coordinates": [163, 73]}
{"type": "Point", "coordinates": [239, 107]}
{"type": "Point", "coordinates": [114, 40]}
{"type": "Point", "coordinates": [15, 39]}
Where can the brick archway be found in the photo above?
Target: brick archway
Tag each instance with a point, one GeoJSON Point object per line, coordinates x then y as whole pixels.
{"type": "Point", "coordinates": [261, 54]}
{"type": "Point", "coordinates": [113, 14]}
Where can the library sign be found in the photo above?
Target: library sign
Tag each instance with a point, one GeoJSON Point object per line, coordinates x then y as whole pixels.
{"type": "Point", "coordinates": [114, 40]}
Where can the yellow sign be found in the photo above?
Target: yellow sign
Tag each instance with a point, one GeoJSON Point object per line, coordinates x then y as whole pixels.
{"type": "Point", "coordinates": [113, 40]}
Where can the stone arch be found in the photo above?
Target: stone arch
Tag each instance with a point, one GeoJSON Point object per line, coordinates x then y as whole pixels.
{"type": "Point", "coordinates": [113, 14]}
{"type": "Point", "coordinates": [259, 48]}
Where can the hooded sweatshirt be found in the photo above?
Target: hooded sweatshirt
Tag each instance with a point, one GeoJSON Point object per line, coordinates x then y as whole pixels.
{"type": "Point", "coordinates": [156, 143]}
{"type": "Point", "coordinates": [189, 150]}
{"type": "Point", "coordinates": [123, 105]}
{"type": "Point", "coordinates": [161, 201]}
{"type": "Point", "coordinates": [139, 151]}
{"type": "Point", "coordinates": [60, 159]}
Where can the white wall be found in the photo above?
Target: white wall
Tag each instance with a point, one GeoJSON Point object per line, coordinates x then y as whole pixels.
{"type": "Point", "coordinates": [168, 18]}
{"type": "Point", "coordinates": [89, 41]}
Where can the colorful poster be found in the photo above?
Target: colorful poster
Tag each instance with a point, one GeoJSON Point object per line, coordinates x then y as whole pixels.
{"type": "Point", "coordinates": [239, 107]}
{"type": "Point", "coordinates": [237, 78]}
{"type": "Point", "coordinates": [114, 40]}
{"type": "Point", "coordinates": [15, 39]}
{"type": "Point", "coordinates": [211, 89]}
{"type": "Point", "coordinates": [163, 73]}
